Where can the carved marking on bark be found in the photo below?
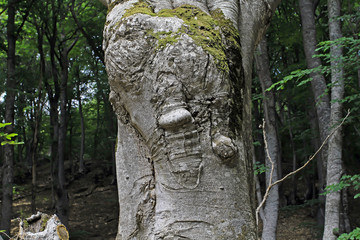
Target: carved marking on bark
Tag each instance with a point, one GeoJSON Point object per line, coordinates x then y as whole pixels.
{"type": "Point", "coordinates": [183, 144]}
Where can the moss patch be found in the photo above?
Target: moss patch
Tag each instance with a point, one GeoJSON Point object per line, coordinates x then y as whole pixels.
{"type": "Point", "coordinates": [164, 38]}
{"type": "Point", "coordinates": [214, 33]}
{"type": "Point", "coordinates": [44, 219]}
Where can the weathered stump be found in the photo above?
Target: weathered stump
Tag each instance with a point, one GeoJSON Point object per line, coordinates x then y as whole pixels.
{"type": "Point", "coordinates": [41, 226]}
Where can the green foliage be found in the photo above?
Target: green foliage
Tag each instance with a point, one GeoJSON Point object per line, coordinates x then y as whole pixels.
{"type": "Point", "coordinates": [354, 235]}
{"type": "Point", "coordinates": [294, 75]}
{"type": "Point", "coordinates": [260, 168]}
{"type": "Point", "coordinates": [7, 138]}
{"type": "Point", "coordinates": [345, 181]}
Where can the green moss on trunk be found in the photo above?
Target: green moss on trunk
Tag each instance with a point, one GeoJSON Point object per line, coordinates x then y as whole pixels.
{"type": "Point", "coordinates": [213, 32]}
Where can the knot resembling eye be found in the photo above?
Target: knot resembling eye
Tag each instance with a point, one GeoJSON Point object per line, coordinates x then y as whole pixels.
{"type": "Point", "coordinates": [175, 118]}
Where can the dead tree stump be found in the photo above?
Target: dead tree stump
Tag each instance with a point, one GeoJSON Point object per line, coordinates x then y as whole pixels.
{"type": "Point", "coordinates": [41, 226]}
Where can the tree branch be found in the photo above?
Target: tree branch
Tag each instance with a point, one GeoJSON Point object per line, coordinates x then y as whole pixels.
{"type": "Point", "coordinates": [293, 172]}
{"type": "Point", "coordinates": [91, 43]}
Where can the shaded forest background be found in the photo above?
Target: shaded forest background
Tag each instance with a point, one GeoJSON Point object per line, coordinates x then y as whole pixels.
{"type": "Point", "coordinates": [62, 115]}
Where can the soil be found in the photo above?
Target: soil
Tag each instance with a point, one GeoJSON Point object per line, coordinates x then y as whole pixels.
{"type": "Point", "coordinates": [94, 206]}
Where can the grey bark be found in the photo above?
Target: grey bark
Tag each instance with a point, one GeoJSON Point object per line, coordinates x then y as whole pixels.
{"type": "Point", "coordinates": [318, 86]}
{"type": "Point", "coordinates": [272, 203]}
{"type": "Point", "coordinates": [7, 168]}
{"type": "Point", "coordinates": [318, 83]}
{"type": "Point", "coordinates": [334, 163]}
{"type": "Point", "coordinates": [184, 125]}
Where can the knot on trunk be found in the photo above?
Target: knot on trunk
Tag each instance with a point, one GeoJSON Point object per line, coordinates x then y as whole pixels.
{"type": "Point", "coordinates": [224, 147]}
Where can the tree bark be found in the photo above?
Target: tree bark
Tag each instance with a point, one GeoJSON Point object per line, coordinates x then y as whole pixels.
{"type": "Point", "coordinates": [38, 115]}
{"type": "Point", "coordinates": [182, 101]}
{"type": "Point", "coordinates": [7, 176]}
{"type": "Point", "coordinates": [62, 204]}
{"type": "Point", "coordinates": [53, 95]}
{"type": "Point", "coordinates": [334, 163]}
{"type": "Point", "coordinates": [318, 86]}
{"type": "Point", "coordinates": [272, 152]}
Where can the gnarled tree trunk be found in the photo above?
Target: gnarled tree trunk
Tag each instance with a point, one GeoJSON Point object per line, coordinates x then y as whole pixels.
{"type": "Point", "coordinates": [180, 80]}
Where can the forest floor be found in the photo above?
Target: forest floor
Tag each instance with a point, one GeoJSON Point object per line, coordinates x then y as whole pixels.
{"type": "Point", "coordinates": [94, 206]}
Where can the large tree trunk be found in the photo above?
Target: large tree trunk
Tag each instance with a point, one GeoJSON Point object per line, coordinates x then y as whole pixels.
{"type": "Point", "coordinates": [181, 92]}
{"type": "Point", "coordinates": [334, 163]}
{"type": "Point", "coordinates": [271, 208]}
{"type": "Point", "coordinates": [7, 176]}
{"type": "Point", "coordinates": [318, 85]}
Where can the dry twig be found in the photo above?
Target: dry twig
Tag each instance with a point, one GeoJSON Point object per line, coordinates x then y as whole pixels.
{"type": "Point", "coordinates": [293, 172]}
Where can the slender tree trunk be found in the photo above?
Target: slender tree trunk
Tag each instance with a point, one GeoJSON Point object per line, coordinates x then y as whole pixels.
{"type": "Point", "coordinates": [34, 152]}
{"type": "Point", "coordinates": [184, 165]}
{"type": "Point", "coordinates": [54, 133]}
{"type": "Point", "coordinates": [318, 85]}
{"type": "Point", "coordinates": [334, 164]}
{"type": "Point", "coordinates": [259, 197]}
{"type": "Point", "coordinates": [62, 203]}
{"type": "Point", "coordinates": [7, 176]}
{"type": "Point", "coordinates": [70, 129]}
{"type": "Point", "coordinates": [344, 217]}
{"type": "Point", "coordinates": [294, 161]}
{"type": "Point", "coordinates": [53, 95]}
{"type": "Point", "coordinates": [94, 155]}
{"type": "Point", "coordinates": [82, 123]}
{"type": "Point", "coordinates": [272, 204]}
{"type": "Point", "coordinates": [35, 142]}
{"type": "Point", "coordinates": [38, 114]}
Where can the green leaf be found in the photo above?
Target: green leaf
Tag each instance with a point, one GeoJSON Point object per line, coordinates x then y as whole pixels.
{"type": "Point", "coordinates": [11, 135]}
{"type": "Point", "coordinates": [4, 124]}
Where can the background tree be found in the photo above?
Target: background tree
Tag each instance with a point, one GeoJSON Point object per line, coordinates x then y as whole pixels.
{"type": "Point", "coordinates": [318, 86]}
{"type": "Point", "coordinates": [334, 163]}
{"type": "Point", "coordinates": [272, 151]}
{"type": "Point", "coordinates": [7, 175]}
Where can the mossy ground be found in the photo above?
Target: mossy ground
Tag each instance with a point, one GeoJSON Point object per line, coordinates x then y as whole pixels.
{"type": "Point", "coordinates": [214, 33]}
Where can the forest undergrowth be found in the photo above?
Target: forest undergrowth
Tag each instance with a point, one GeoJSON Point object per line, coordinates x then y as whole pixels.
{"type": "Point", "coordinates": [94, 205]}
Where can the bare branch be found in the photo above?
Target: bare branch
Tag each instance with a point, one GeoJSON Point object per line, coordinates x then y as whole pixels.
{"type": "Point", "coordinates": [293, 172]}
